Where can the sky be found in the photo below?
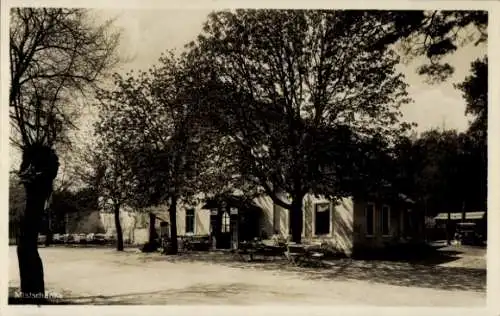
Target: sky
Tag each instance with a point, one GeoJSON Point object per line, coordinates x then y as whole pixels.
{"type": "Point", "coordinates": [147, 33]}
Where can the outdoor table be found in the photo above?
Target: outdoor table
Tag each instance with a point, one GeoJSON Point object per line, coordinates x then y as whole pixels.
{"type": "Point", "coordinates": [299, 253]}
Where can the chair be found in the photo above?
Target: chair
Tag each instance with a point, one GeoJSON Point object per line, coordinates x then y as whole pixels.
{"type": "Point", "coordinates": [295, 253]}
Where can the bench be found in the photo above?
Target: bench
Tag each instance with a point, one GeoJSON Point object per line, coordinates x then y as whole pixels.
{"type": "Point", "coordinates": [259, 249]}
{"type": "Point", "coordinates": [298, 254]}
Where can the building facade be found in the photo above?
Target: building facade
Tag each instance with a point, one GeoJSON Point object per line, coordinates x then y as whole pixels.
{"type": "Point", "coordinates": [346, 224]}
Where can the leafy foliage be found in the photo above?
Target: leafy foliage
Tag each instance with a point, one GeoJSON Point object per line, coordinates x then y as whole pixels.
{"type": "Point", "coordinates": [153, 140]}
{"type": "Point", "coordinates": [146, 120]}
{"type": "Point", "coordinates": [433, 34]}
{"type": "Point", "coordinates": [475, 93]}
{"type": "Point", "coordinates": [445, 169]}
{"type": "Point", "coordinates": [293, 93]}
{"type": "Point", "coordinates": [303, 98]}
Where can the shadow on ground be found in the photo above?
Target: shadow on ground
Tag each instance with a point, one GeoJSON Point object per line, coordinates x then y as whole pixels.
{"type": "Point", "coordinates": [421, 272]}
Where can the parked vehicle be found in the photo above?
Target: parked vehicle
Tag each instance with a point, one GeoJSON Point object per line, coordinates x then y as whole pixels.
{"type": "Point", "coordinates": [467, 234]}
{"type": "Point", "coordinates": [76, 238]}
{"type": "Point", "coordinates": [110, 238]}
{"type": "Point", "coordinates": [57, 239]}
{"type": "Point", "coordinates": [68, 238]}
{"type": "Point", "coordinates": [90, 238]}
{"type": "Point", "coordinates": [82, 238]}
{"type": "Point", "coordinates": [42, 239]}
{"type": "Point", "coordinates": [99, 239]}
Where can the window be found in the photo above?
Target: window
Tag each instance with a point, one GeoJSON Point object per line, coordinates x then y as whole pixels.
{"type": "Point", "coordinates": [225, 222]}
{"type": "Point", "coordinates": [322, 219]}
{"type": "Point", "coordinates": [370, 223]}
{"type": "Point", "coordinates": [190, 221]}
{"type": "Point", "coordinates": [386, 220]}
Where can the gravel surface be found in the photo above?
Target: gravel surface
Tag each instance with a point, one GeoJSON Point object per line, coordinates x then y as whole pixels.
{"type": "Point", "coordinates": [103, 276]}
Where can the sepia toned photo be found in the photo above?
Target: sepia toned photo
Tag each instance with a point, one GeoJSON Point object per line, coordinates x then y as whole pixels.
{"type": "Point", "coordinates": [169, 156]}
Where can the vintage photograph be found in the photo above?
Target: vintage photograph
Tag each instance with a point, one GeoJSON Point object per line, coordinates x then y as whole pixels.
{"type": "Point", "coordinates": [247, 157]}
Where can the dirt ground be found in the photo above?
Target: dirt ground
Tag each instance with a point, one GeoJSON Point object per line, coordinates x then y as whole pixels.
{"type": "Point", "coordinates": [103, 276]}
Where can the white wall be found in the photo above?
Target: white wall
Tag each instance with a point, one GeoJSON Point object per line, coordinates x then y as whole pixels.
{"type": "Point", "coordinates": [201, 220]}
{"type": "Point", "coordinates": [276, 218]}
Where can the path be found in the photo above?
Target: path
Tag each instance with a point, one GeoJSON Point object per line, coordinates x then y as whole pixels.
{"type": "Point", "coordinates": [103, 276]}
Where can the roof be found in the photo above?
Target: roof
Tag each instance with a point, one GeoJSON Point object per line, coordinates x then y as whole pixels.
{"type": "Point", "coordinates": [231, 201]}
{"type": "Point", "coordinates": [458, 216]}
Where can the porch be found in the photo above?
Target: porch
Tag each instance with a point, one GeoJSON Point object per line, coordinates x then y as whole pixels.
{"type": "Point", "coordinates": [232, 220]}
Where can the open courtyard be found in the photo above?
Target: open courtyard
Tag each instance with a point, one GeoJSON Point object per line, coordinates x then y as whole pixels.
{"type": "Point", "coordinates": [105, 276]}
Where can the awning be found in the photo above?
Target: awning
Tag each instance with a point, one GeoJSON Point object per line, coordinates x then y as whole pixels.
{"type": "Point", "coordinates": [458, 216]}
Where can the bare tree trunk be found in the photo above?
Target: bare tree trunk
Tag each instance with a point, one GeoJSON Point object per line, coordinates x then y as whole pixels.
{"type": "Point", "coordinates": [37, 172]}
{"type": "Point", "coordinates": [49, 238]}
{"type": "Point", "coordinates": [30, 263]}
{"type": "Point", "coordinates": [448, 229]}
{"type": "Point", "coordinates": [296, 219]}
{"type": "Point", "coordinates": [172, 210]}
{"type": "Point", "coordinates": [131, 236]}
{"type": "Point", "coordinates": [152, 229]}
{"type": "Point", "coordinates": [118, 225]}
{"type": "Point", "coordinates": [463, 211]}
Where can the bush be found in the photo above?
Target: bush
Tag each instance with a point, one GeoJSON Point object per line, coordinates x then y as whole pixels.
{"type": "Point", "coordinates": [150, 247]}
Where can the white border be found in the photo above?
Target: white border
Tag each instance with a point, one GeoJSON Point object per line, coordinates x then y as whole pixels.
{"type": "Point", "coordinates": [493, 182]}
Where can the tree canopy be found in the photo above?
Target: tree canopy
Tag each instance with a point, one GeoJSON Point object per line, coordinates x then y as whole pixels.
{"type": "Point", "coordinates": [447, 170]}
{"type": "Point", "coordinates": [433, 34]}
{"type": "Point", "coordinates": [56, 55]}
{"type": "Point", "coordinates": [303, 95]}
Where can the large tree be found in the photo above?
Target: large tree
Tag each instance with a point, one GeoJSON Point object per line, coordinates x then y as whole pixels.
{"type": "Point", "coordinates": [56, 56]}
{"type": "Point", "coordinates": [303, 96]}
{"type": "Point", "coordinates": [448, 169]}
{"type": "Point", "coordinates": [113, 178]}
{"type": "Point", "coordinates": [149, 121]}
{"type": "Point", "coordinates": [475, 93]}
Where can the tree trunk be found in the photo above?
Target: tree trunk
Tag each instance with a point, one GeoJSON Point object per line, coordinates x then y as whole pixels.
{"type": "Point", "coordinates": [296, 219]}
{"type": "Point", "coordinates": [49, 238]}
{"type": "Point", "coordinates": [152, 229]}
{"type": "Point", "coordinates": [448, 229]}
{"type": "Point", "coordinates": [172, 210]}
{"type": "Point", "coordinates": [118, 225]}
{"type": "Point", "coordinates": [38, 169]}
{"type": "Point", "coordinates": [30, 263]}
{"type": "Point", "coordinates": [463, 211]}
{"type": "Point", "coordinates": [48, 209]}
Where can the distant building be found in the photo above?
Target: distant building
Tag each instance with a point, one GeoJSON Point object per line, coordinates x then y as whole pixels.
{"type": "Point", "coordinates": [441, 224]}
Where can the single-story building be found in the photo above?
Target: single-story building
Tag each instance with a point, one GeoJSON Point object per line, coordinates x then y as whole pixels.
{"type": "Point", "coordinates": [347, 224]}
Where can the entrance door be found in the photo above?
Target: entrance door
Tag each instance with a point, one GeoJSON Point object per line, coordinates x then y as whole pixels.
{"type": "Point", "coordinates": [224, 238]}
